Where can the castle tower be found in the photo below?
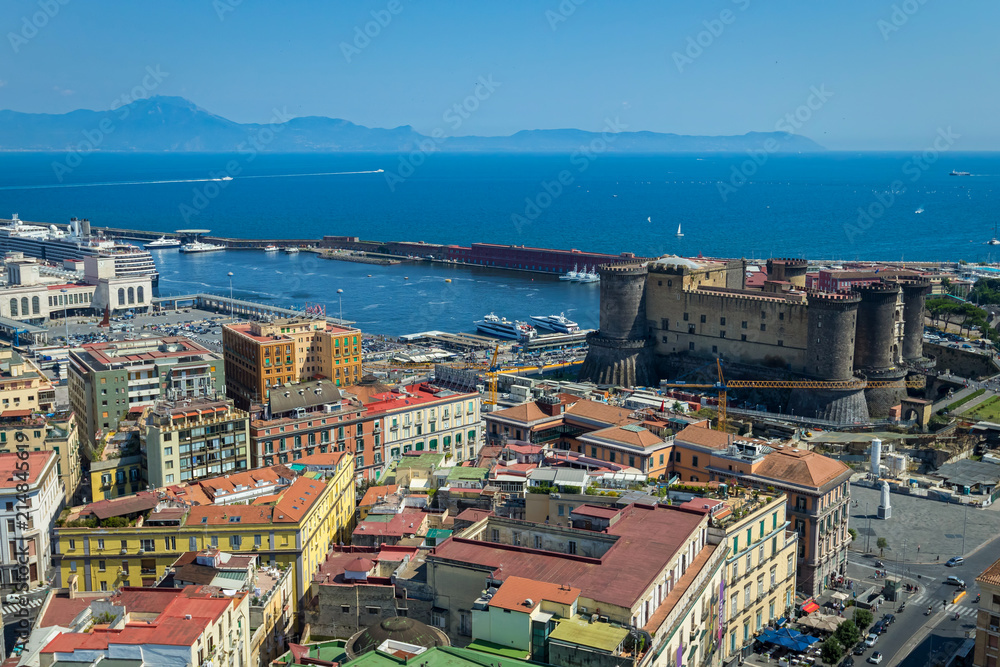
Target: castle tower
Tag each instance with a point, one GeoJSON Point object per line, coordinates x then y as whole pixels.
{"type": "Point", "coordinates": [830, 356]}
{"type": "Point", "coordinates": [789, 270]}
{"type": "Point", "coordinates": [621, 352]}
{"type": "Point", "coordinates": [876, 344]}
{"type": "Point", "coordinates": [914, 298]}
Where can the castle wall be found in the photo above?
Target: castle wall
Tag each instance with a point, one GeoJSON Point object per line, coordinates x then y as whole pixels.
{"type": "Point", "coordinates": [832, 325]}
{"type": "Point", "coordinates": [747, 328]}
{"type": "Point", "coordinates": [879, 327]}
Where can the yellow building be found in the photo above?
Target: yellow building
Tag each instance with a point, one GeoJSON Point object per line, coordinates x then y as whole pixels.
{"type": "Point", "coordinates": [262, 355]}
{"type": "Point", "coordinates": [760, 564]}
{"type": "Point", "coordinates": [22, 385]}
{"type": "Point", "coordinates": [119, 469]}
{"type": "Point", "coordinates": [130, 541]}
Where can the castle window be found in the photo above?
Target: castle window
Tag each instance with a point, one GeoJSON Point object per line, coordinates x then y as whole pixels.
{"type": "Point", "coordinates": [664, 339]}
{"type": "Point", "coordinates": [670, 283]}
{"type": "Point", "coordinates": [691, 346]}
{"type": "Point", "coordinates": [722, 321]}
{"type": "Point", "coordinates": [744, 325]}
{"type": "Point", "coordinates": [702, 319]}
{"type": "Point", "coordinates": [743, 337]}
{"type": "Point", "coordinates": [781, 343]}
{"type": "Point", "coordinates": [659, 283]}
{"type": "Point", "coordinates": [763, 315]}
{"type": "Point", "coordinates": [781, 316]}
{"type": "Point", "coordinates": [715, 349]}
{"type": "Point", "coordinates": [685, 317]}
{"type": "Point", "coordinates": [763, 327]}
{"type": "Point", "coordinates": [722, 334]}
{"type": "Point", "coordinates": [665, 324]}
{"type": "Point", "coordinates": [690, 328]}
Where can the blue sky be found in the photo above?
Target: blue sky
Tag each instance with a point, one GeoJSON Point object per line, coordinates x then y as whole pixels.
{"type": "Point", "coordinates": [560, 63]}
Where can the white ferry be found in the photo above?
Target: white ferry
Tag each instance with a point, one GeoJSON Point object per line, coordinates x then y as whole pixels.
{"type": "Point", "coordinates": [291, 250]}
{"type": "Point", "coordinates": [162, 243]}
{"type": "Point", "coordinates": [271, 248]}
{"type": "Point", "coordinates": [558, 323]}
{"type": "Point", "coordinates": [201, 246]}
{"type": "Point", "coordinates": [504, 328]}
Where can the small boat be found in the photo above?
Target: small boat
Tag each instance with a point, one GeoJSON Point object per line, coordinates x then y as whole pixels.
{"type": "Point", "coordinates": [994, 240]}
{"type": "Point", "coordinates": [291, 250]}
{"type": "Point", "coordinates": [919, 210]}
{"type": "Point", "coordinates": [162, 243]}
{"type": "Point", "coordinates": [224, 178]}
{"type": "Point", "coordinates": [271, 248]}
{"type": "Point", "coordinates": [591, 276]}
{"type": "Point", "coordinates": [679, 232]}
{"type": "Point", "coordinates": [447, 280]}
{"type": "Point", "coordinates": [570, 275]}
{"type": "Point", "coordinates": [959, 173]}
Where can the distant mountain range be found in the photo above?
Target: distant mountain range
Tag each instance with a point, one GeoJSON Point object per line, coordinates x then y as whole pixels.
{"type": "Point", "coordinates": [175, 124]}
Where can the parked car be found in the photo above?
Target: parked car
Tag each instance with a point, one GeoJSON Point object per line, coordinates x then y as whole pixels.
{"type": "Point", "coordinates": [955, 561]}
{"type": "Point", "coordinates": [954, 581]}
{"type": "Point", "coordinates": [875, 658]}
{"type": "Point", "coordinates": [871, 639]}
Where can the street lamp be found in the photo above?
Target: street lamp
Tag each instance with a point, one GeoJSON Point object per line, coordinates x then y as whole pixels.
{"type": "Point", "coordinates": [231, 295]}
{"type": "Point", "coordinates": [340, 298]}
{"type": "Point", "coordinates": [965, 523]}
{"type": "Point", "coordinates": [65, 293]}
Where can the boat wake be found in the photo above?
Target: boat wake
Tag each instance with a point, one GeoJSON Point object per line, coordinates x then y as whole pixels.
{"type": "Point", "coordinates": [181, 180]}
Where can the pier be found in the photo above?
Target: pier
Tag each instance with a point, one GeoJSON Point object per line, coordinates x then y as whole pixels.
{"type": "Point", "coordinates": [235, 307]}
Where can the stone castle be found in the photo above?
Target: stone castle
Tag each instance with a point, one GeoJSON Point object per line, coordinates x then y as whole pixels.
{"type": "Point", "coordinates": [659, 317]}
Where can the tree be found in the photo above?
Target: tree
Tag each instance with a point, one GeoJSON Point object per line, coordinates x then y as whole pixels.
{"type": "Point", "coordinates": [831, 650]}
{"type": "Point", "coordinates": [853, 533]}
{"type": "Point", "coordinates": [882, 545]}
{"type": "Point", "coordinates": [848, 634]}
{"type": "Point", "coordinates": [863, 618]}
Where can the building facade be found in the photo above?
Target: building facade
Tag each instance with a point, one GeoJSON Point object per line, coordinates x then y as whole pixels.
{"type": "Point", "coordinates": [44, 500]}
{"type": "Point", "coordinates": [194, 438]}
{"type": "Point", "coordinates": [987, 651]}
{"type": "Point", "coordinates": [260, 356]}
{"type": "Point", "coordinates": [108, 380]}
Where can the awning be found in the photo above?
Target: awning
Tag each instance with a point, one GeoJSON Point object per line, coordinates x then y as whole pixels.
{"type": "Point", "coordinates": [839, 595]}
{"type": "Point", "coordinates": [809, 607]}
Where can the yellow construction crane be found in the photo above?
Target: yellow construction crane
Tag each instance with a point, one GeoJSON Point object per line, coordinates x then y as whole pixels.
{"type": "Point", "coordinates": [491, 378]}
{"type": "Point", "coordinates": [722, 386]}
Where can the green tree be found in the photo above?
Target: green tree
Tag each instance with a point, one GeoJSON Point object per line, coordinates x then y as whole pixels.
{"type": "Point", "coordinates": [853, 533]}
{"type": "Point", "coordinates": [882, 545]}
{"type": "Point", "coordinates": [863, 618]}
{"type": "Point", "coordinates": [831, 650]}
{"type": "Point", "coordinates": [848, 634]}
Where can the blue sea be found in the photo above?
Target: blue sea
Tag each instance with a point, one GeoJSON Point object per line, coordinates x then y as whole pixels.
{"type": "Point", "coordinates": [839, 206]}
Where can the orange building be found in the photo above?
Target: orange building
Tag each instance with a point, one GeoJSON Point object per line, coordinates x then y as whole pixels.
{"type": "Point", "coordinates": [262, 355]}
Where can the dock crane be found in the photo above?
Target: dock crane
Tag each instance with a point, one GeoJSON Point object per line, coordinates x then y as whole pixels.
{"type": "Point", "coordinates": [723, 385]}
{"type": "Point", "coordinates": [491, 378]}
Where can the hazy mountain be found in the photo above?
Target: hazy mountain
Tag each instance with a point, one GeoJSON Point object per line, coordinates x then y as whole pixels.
{"type": "Point", "coordinates": [178, 125]}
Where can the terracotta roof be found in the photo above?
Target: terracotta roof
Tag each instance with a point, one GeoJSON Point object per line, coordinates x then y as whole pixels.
{"type": "Point", "coordinates": [213, 515]}
{"type": "Point", "coordinates": [805, 468]}
{"type": "Point", "coordinates": [297, 499]}
{"type": "Point", "coordinates": [63, 609]}
{"type": "Point", "coordinates": [36, 464]}
{"type": "Point", "coordinates": [639, 437]}
{"type": "Point", "coordinates": [321, 459]}
{"type": "Point", "coordinates": [373, 494]}
{"type": "Point", "coordinates": [991, 575]}
{"type": "Point", "coordinates": [140, 502]}
{"type": "Point", "coordinates": [648, 535]}
{"type": "Point", "coordinates": [473, 515]}
{"type": "Point", "coordinates": [703, 437]}
{"type": "Point", "coordinates": [601, 412]}
{"type": "Point", "coordinates": [359, 564]}
{"type": "Point", "coordinates": [516, 591]}
{"type": "Point", "coordinates": [524, 413]}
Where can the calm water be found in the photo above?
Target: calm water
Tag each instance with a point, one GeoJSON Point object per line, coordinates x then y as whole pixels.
{"type": "Point", "coordinates": [790, 206]}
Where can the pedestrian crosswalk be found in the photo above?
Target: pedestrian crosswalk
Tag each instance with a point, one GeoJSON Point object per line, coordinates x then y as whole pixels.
{"type": "Point", "coordinates": [924, 600]}
{"type": "Point", "coordinates": [32, 603]}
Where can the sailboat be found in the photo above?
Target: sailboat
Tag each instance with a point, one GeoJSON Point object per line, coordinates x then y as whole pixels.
{"type": "Point", "coordinates": [679, 232]}
{"type": "Point", "coordinates": [994, 240]}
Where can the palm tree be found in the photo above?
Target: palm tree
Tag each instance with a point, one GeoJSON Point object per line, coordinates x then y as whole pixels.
{"type": "Point", "coordinates": [882, 545]}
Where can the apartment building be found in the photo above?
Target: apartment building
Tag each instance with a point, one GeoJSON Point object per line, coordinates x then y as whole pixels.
{"type": "Point", "coordinates": [44, 500]}
{"type": "Point", "coordinates": [33, 432]}
{"type": "Point", "coordinates": [759, 570]}
{"type": "Point", "coordinates": [817, 487]}
{"type": "Point", "coordinates": [987, 651]}
{"type": "Point", "coordinates": [22, 385]}
{"type": "Point", "coordinates": [419, 417]}
{"type": "Point", "coordinates": [108, 380]}
{"type": "Point", "coordinates": [194, 438]}
{"type": "Point", "coordinates": [260, 356]}
{"type": "Point", "coordinates": [167, 627]}
{"type": "Point", "coordinates": [312, 418]}
{"type": "Point", "coordinates": [137, 537]}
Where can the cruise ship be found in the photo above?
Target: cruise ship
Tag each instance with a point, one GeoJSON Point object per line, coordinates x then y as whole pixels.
{"type": "Point", "coordinates": [201, 246]}
{"type": "Point", "coordinates": [504, 328]}
{"type": "Point", "coordinates": [56, 245]}
{"type": "Point", "coordinates": [558, 323]}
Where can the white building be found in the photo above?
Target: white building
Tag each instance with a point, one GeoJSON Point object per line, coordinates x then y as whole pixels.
{"type": "Point", "coordinates": [45, 501]}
